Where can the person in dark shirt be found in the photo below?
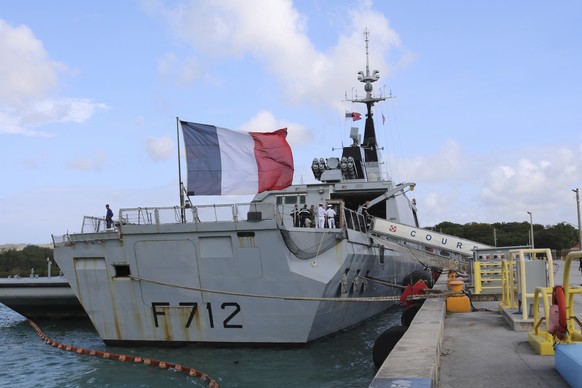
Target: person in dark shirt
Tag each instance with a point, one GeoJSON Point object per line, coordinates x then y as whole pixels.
{"type": "Point", "coordinates": [295, 215]}
{"type": "Point", "coordinates": [364, 210]}
{"type": "Point", "coordinates": [304, 214]}
{"type": "Point", "coordinates": [109, 217]}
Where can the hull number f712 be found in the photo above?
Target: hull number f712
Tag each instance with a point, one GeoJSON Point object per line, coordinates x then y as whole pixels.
{"type": "Point", "coordinates": [232, 307]}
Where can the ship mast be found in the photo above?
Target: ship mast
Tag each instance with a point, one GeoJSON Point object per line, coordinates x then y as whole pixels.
{"type": "Point", "coordinates": [369, 143]}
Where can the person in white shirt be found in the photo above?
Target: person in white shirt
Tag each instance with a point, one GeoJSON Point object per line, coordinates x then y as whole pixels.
{"type": "Point", "coordinates": [330, 213]}
{"type": "Point", "coordinates": [320, 216]}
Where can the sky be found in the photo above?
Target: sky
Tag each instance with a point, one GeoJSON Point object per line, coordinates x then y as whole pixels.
{"type": "Point", "coordinates": [485, 114]}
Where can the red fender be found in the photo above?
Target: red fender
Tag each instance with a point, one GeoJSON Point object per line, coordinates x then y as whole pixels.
{"type": "Point", "coordinates": [418, 288]}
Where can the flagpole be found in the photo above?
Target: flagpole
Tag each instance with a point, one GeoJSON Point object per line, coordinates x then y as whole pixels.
{"type": "Point", "coordinates": [180, 184]}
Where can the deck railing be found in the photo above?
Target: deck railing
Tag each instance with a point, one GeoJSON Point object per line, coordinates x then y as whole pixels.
{"type": "Point", "coordinates": [197, 214]}
{"type": "Point", "coordinates": [252, 212]}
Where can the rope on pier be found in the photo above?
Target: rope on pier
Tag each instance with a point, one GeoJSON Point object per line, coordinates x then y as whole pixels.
{"type": "Point", "coordinates": [122, 357]}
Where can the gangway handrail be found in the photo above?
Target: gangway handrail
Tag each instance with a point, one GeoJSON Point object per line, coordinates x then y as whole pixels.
{"type": "Point", "coordinates": [426, 237]}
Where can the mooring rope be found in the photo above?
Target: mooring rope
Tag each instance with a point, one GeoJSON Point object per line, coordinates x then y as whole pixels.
{"type": "Point", "coordinates": [431, 294]}
{"type": "Point", "coordinates": [303, 298]}
{"type": "Point", "coordinates": [443, 294]}
{"type": "Point", "coordinates": [382, 282]}
{"type": "Point", "coordinates": [122, 357]}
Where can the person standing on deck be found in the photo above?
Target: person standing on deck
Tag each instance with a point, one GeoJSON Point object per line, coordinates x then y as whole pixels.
{"type": "Point", "coordinates": [303, 216]}
{"type": "Point", "coordinates": [109, 217]}
{"type": "Point", "coordinates": [312, 216]}
{"type": "Point", "coordinates": [295, 216]}
{"type": "Point", "coordinates": [364, 210]}
{"type": "Point", "coordinates": [330, 213]}
{"type": "Point", "coordinates": [320, 216]}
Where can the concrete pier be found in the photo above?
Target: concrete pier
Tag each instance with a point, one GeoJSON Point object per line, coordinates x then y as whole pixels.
{"type": "Point", "coordinates": [476, 349]}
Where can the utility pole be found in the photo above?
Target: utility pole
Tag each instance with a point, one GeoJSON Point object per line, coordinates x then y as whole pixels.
{"type": "Point", "coordinates": [531, 230]}
{"type": "Point", "coordinates": [578, 208]}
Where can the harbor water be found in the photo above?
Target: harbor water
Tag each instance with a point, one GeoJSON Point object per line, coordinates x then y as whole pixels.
{"type": "Point", "coordinates": [340, 360]}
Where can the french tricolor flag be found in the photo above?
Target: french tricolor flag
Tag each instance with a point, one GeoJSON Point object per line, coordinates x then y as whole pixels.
{"type": "Point", "coordinates": [355, 116]}
{"type": "Point", "coordinates": [221, 161]}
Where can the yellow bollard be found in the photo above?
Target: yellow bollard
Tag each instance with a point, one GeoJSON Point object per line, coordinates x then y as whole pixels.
{"type": "Point", "coordinates": [451, 278]}
{"type": "Point", "coordinates": [460, 303]}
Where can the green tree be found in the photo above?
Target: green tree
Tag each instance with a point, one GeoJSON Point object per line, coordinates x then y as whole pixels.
{"type": "Point", "coordinates": [449, 228]}
{"type": "Point", "coordinates": [20, 262]}
{"type": "Point", "coordinates": [482, 233]}
{"type": "Point", "coordinates": [562, 236]}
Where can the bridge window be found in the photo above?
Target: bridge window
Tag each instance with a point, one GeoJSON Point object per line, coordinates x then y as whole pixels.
{"type": "Point", "coordinates": [291, 199]}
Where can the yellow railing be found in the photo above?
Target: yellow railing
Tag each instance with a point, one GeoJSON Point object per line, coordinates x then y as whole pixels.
{"type": "Point", "coordinates": [486, 276]}
{"type": "Point", "coordinates": [569, 292]}
{"type": "Point", "coordinates": [508, 296]}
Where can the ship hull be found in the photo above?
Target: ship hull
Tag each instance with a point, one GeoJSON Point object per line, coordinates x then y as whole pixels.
{"type": "Point", "coordinates": [228, 282]}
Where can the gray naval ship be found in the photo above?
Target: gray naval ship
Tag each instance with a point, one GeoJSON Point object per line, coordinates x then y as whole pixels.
{"type": "Point", "coordinates": [248, 273]}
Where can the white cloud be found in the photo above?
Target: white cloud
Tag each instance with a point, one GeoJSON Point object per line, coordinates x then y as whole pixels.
{"type": "Point", "coordinates": [449, 159]}
{"type": "Point", "coordinates": [96, 163]}
{"type": "Point", "coordinates": [280, 42]}
{"type": "Point", "coordinates": [181, 72]}
{"type": "Point", "coordinates": [161, 148]}
{"type": "Point", "coordinates": [61, 110]}
{"type": "Point", "coordinates": [264, 121]}
{"type": "Point", "coordinates": [27, 77]}
{"type": "Point", "coordinates": [26, 72]}
{"type": "Point", "coordinates": [479, 187]}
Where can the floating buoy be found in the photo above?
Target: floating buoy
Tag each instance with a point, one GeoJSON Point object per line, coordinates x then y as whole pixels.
{"type": "Point", "coordinates": [409, 313]}
{"type": "Point", "coordinates": [122, 357]}
{"type": "Point", "coordinates": [385, 343]}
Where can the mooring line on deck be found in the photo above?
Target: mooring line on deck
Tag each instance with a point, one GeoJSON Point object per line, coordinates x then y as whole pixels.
{"type": "Point", "coordinates": [122, 357]}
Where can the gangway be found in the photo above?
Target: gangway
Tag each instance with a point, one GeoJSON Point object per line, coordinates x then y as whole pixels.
{"type": "Point", "coordinates": [436, 249]}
